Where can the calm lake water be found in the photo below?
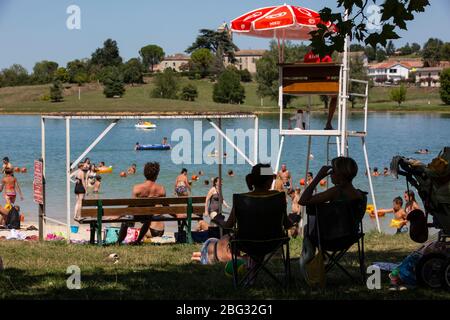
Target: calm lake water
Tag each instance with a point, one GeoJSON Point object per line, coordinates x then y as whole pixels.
{"type": "Point", "coordinates": [389, 135]}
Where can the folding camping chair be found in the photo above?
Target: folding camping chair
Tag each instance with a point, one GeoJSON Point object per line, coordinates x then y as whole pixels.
{"type": "Point", "coordinates": [260, 234]}
{"type": "Point", "coordinates": [334, 228]}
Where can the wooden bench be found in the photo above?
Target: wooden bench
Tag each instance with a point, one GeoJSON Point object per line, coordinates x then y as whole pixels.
{"type": "Point", "coordinates": [184, 210]}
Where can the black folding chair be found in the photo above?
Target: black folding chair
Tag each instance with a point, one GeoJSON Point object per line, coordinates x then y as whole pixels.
{"type": "Point", "coordinates": [260, 234]}
{"type": "Point", "coordinates": [334, 228]}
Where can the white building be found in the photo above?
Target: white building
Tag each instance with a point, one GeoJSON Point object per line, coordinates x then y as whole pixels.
{"type": "Point", "coordinates": [429, 77]}
{"type": "Point", "coordinates": [393, 71]}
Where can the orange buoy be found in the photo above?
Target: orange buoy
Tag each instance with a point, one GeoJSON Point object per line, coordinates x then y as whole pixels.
{"type": "Point", "coordinates": [23, 170]}
{"type": "Point", "coordinates": [302, 182]}
{"type": "Point", "coordinates": [194, 178]}
{"type": "Point", "coordinates": [16, 169]}
{"type": "Point", "coordinates": [123, 174]}
{"type": "Point", "coordinates": [323, 183]}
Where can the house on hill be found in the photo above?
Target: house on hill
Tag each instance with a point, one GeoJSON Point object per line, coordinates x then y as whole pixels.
{"type": "Point", "coordinates": [429, 77]}
{"type": "Point", "coordinates": [393, 70]}
{"type": "Point", "coordinates": [174, 61]}
{"type": "Point", "coordinates": [246, 59]}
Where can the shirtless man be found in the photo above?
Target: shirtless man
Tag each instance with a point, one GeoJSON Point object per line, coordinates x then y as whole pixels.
{"type": "Point", "coordinates": [182, 187]}
{"type": "Point", "coordinates": [286, 177]}
{"type": "Point", "coordinates": [148, 189]}
{"type": "Point", "coordinates": [6, 164]}
{"type": "Point", "coordinates": [10, 186]}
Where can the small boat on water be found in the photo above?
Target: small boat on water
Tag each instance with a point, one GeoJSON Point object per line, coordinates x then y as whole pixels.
{"type": "Point", "coordinates": [153, 147]}
{"type": "Point", "coordinates": [145, 125]}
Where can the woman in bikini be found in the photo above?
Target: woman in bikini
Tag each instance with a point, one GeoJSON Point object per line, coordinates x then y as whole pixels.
{"type": "Point", "coordinates": [182, 187]}
{"type": "Point", "coordinates": [213, 200]}
{"type": "Point", "coordinates": [11, 187]}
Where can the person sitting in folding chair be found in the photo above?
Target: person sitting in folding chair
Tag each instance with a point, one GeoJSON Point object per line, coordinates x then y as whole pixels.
{"type": "Point", "coordinates": [334, 216]}
{"type": "Point", "coordinates": [260, 223]}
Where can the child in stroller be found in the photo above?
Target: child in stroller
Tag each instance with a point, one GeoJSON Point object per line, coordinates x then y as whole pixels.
{"type": "Point", "coordinates": [430, 265]}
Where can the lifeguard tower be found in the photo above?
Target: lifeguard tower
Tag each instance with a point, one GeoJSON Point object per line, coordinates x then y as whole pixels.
{"type": "Point", "coordinates": [309, 79]}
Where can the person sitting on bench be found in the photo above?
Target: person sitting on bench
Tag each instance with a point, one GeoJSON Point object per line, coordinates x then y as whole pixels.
{"type": "Point", "coordinates": [148, 189]}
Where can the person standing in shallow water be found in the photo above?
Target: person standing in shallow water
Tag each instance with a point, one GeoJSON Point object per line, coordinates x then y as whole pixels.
{"type": "Point", "coordinates": [182, 187]}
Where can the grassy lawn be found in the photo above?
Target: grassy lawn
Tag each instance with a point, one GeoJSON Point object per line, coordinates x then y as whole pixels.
{"type": "Point", "coordinates": [38, 271]}
{"type": "Point", "coordinates": [28, 99]}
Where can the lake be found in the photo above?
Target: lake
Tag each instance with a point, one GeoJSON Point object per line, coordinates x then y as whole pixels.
{"type": "Point", "coordinates": [390, 134]}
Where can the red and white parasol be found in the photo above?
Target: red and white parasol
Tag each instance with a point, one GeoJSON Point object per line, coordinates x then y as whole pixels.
{"type": "Point", "coordinates": [282, 22]}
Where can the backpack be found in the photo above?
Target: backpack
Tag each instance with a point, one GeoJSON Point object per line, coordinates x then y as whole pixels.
{"type": "Point", "coordinates": [13, 219]}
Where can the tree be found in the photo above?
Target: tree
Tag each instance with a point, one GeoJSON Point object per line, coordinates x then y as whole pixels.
{"type": "Point", "coordinates": [16, 75]}
{"type": "Point", "coordinates": [381, 54]}
{"type": "Point", "coordinates": [445, 86]}
{"type": "Point", "coordinates": [246, 76]}
{"type": "Point", "coordinates": [77, 70]}
{"type": "Point", "coordinates": [398, 94]}
{"type": "Point", "coordinates": [56, 92]}
{"type": "Point", "coordinates": [113, 83]}
{"type": "Point", "coordinates": [228, 88]}
{"type": "Point", "coordinates": [431, 52]}
{"type": "Point", "coordinates": [370, 53]}
{"type": "Point", "coordinates": [217, 42]}
{"type": "Point", "coordinates": [166, 85]}
{"type": "Point", "coordinates": [44, 71]}
{"type": "Point", "coordinates": [151, 55]}
{"type": "Point", "coordinates": [202, 60]}
{"type": "Point", "coordinates": [406, 50]}
{"type": "Point", "coordinates": [189, 92]}
{"type": "Point", "coordinates": [62, 75]}
{"type": "Point", "coordinates": [354, 47]}
{"type": "Point", "coordinates": [445, 51]}
{"type": "Point", "coordinates": [390, 48]}
{"type": "Point", "coordinates": [357, 71]}
{"type": "Point", "coordinates": [415, 47]}
{"type": "Point", "coordinates": [394, 15]}
{"type": "Point", "coordinates": [132, 71]}
{"type": "Point", "coordinates": [108, 55]}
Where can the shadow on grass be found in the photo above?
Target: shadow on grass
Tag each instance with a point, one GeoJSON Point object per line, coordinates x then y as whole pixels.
{"type": "Point", "coordinates": [193, 281]}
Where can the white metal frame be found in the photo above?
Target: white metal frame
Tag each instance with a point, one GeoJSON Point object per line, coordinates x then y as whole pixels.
{"type": "Point", "coordinates": [115, 119]}
{"type": "Point", "coordinates": [341, 134]}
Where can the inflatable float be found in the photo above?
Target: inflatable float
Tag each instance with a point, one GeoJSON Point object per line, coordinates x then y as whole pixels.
{"type": "Point", "coordinates": [105, 170]}
{"type": "Point", "coordinates": [145, 125]}
{"type": "Point", "coordinates": [143, 147]}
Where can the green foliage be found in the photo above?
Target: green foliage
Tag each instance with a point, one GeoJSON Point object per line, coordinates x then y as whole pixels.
{"type": "Point", "coordinates": [78, 71]}
{"type": "Point", "coordinates": [246, 76]}
{"type": "Point", "coordinates": [56, 92]}
{"type": "Point", "coordinates": [218, 42]}
{"type": "Point", "coordinates": [359, 72]}
{"type": "Point", "coordinates": [44, 71]}
{"type": "Point", "coordinates": [267, 69]}
{"type": "Point", "coordinates": [166, 85]}
{"type": "Point", "coordinates": [113, 83]}
{"type": "Point", "coordinates": [390, 48]}
{"type": "Point", "coordinates": [394, 15]}
{"type": "Point", "coordinates": [202, 60]}
{"type": "Point", "coordinates": [16, 75]}
{"type": "Point", "coordinates": [432, 51]}
{"type": "Point", "coordinates": [151, 55]}
{"type": "Point", "coordinates": [228, 88]}
{"type": "Point", "coordinates": [62, 75]}
{"type": "Point", "coordinates": [108, 55]}
{"type": "Point", "coordinates": [398, 94]}
{"type": "Point", "coordinates": [132, 71]}
{"type": "Point", "coordinates": [445, 86]}
{"type": "Point", "coordinates": [189, 93]}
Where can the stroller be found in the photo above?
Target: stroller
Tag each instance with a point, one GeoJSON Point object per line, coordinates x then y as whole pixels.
{"type": "Point", "coordinates": [432, 182]}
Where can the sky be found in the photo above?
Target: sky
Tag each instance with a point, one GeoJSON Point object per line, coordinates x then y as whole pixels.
{"type": "Point", "coordinates": [32, 31]}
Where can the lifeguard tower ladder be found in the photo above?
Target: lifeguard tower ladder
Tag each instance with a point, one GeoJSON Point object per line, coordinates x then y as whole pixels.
{"type": "Point", "coordinates": [309, 79]}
